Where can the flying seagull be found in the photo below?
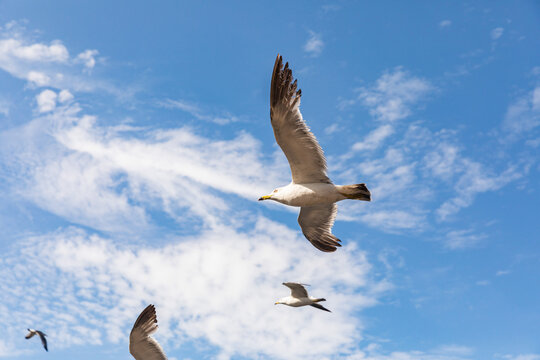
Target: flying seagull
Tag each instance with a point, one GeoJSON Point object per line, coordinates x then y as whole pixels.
{"type": "Point", "coordinates": [300, 297]}
{"type": "Point", "coordinates": [310, 189]}
{"type": "Point", "coordinates": [32, 332]}
{"type": "Point", "coordinates": [141, 345]}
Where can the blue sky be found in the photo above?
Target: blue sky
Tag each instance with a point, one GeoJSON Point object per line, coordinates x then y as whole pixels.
{"type": "Point", "coordinates": [135, 141]}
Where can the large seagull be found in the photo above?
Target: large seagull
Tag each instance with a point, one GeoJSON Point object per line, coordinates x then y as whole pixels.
{"type": "Point", "coordinates": [310, 189]}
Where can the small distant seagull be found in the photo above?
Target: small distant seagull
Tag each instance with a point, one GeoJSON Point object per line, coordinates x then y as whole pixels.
{"type": "Point", "coordinates": [141, 345]}
{"type": "Point", "coordinates": [300, 297]}
{"type": "Point", "coordinates": [33, 332]}
{"type": "Point", "coordinates": [310, 189]}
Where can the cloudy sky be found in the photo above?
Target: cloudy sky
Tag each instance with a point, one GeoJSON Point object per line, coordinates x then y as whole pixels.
{"type": "Point", "coordinates": [136, 139]}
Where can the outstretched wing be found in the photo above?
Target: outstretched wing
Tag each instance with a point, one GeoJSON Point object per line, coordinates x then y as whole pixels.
{"type": "Point", "coordinates": [320, 307]}
{"type": "Point", "coordinates": [43, 339]}
{"type": "Point", "coordinates": [316, 223]}
{"type": "Point", "coordinates": [305, 155]}
{"type": "Point", "coordinates": [297, 290]}
{"type": "Point", "coordinates": [30, 334]}
{"type": "Point", "coordinates": [141, 345]}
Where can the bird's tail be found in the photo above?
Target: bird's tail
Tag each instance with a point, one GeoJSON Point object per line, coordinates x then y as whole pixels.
{"type": "Point", "coordinates": [356, 192]}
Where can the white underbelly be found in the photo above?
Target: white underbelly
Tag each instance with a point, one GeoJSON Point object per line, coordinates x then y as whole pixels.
{"type": "Point", "coordinates": [312, 194]}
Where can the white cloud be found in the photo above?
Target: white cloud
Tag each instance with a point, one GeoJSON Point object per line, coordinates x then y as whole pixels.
{"type": "Point", "coordinates": [100, 176]}
{"type": "Point", "coordinates": [374, 139]}
{"type": "Point", "coordinates": [46, 101]}
{"type": "Point", "coordinates": [38, 78]}
{"type": "Point", "coordinates": [393, 95]}
{"type": "Point", "coordinates": [391, 220]}
{"type": "Point", "coordinates": [314, 44]}
{"type": "Point", "coordinates": [87, 57]}
{"type": "Point", "coordinates": [443, 161]}
{"type": "Point", "coordinates": [332, 129]}
{"type": "Point", "coordinates": [197, 112]}
{"type": "Point", "coordinates": [330, 8]}
{"type": "Point", "coordinates": [446, 352]}
{"type": "Point", "coordinates": [522, 357]}
{"type": "Point", "coordinates": [523, 115]}
{"type": "Point", "coordinates": [474, 180]}
{"type": "Point", "coordinates": [16, 49]}
{"type": "Point", "coordinates": [496, 33]}
{"type": "Point", "coordinates": [461, 239]}
{"type": "Point", "coordinates": [502, 272]}
{"type": "Point", "coordinates": [50, 65]}
{"type": "Point", "coordinates": [84, 284]}
{"type": "Point", "coordinates": [445, 23]}
{"type": "Point", "coordinates": [421, 170]}
{"type": "Point", "coordinates": [65, 96]}
{"type": "Point", "coordinates": [4, 107]}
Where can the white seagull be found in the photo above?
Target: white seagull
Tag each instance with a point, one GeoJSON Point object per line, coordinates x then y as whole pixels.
{"type": "Point", "coordinates": [310, 189]}
{"type": "Point", "coordinates": [300, 297]}
{"type": "Point", "coordinates": [32, 332]}
{"type": "Point", "coordinates": [141, 345]}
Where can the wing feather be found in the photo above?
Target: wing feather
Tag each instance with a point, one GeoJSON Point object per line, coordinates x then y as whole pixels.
{"type": "Point", "coordinates": [141, 345]}
{"type": "Point", "coordinates": [305, 155]}
{"type": "Point", "coordinates": [319, 306]}
{"type": "Point", "coordinates": [316, 223]}
{"type": "Point", "coordinates": [43, 339]}
{"type": "Point", "coordinates": [297, 290]}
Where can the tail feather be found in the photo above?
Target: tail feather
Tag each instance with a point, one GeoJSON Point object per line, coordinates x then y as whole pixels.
{"type": "Point", "coordinates": [355, 192]}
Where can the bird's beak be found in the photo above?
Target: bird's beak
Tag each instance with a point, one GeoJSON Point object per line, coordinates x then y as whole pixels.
{"type": "Point", "coordinates": [277, 302]}
{"type": "Point", "coordinates": [265, 197]}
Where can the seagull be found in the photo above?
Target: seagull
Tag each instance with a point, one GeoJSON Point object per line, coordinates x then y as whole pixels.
{"type": "Point", "coordinates": [32, 332]}
{"type": "Point", "coordinates": [141, 345]}
{"type": "Point", "coordinates": [300, 297]}
{"type": "Point", "coordinates": [310, 189]}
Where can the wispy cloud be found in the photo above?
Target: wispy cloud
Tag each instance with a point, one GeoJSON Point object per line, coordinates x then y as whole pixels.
{"type": "Point", "coordinates": [474, 180]}
{"type": "Point", "coordinates": [314, 44]}
{"type": "Point", "coordinates": [420, 169]}
{"type": "Point", "coordinates": [198, 113]}
{"type": "Point", "coordinates": [496, 33]}
{"type": "Point", "coordinates": [447, 352]}
{"type": "Point", "coordinates": [393, 95]}
{"type": "Point", "coordinates": [523, 116]}
{"type": "Point", "coordinates": [99, 176]}
{"type": "Point", "coordinates": [445, 24]}
{"type": "Point", "coordinates": [462, 239]}
{"type": "Point", "coordinates": [4, 107]}
{"type": "Point", "coordinates": [520, 357]}
{"type": "Point", "coordinates": [374, 139]}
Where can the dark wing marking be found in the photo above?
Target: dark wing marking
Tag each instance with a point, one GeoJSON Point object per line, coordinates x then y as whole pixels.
{"type": "Point", "coordinates": [43, 339]}
{"type": "Point", "coordinates": [320, 307]}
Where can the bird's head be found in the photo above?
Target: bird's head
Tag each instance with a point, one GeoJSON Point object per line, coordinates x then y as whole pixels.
{"type": "Point", "coordinates": [275, 195]}
{"type": "Point", "coordinates": [281, 301]}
